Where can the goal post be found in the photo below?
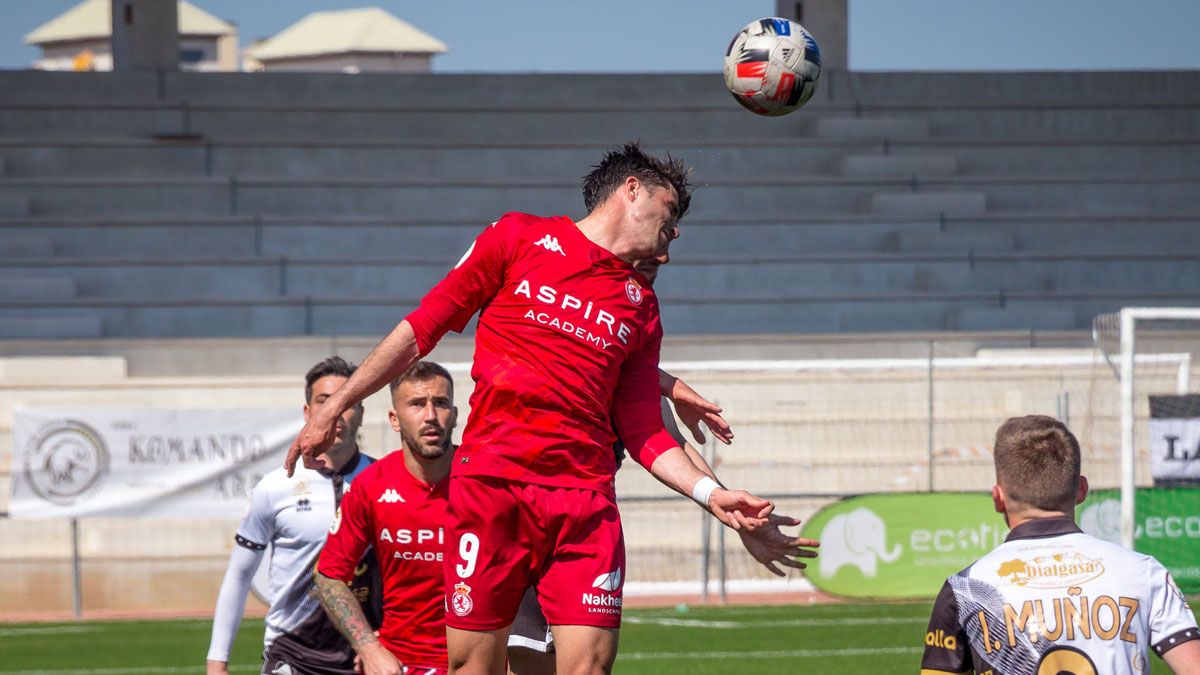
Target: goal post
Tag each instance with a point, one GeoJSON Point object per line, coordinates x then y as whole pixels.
{"type": "Point", "coordinates": [1184, 322]}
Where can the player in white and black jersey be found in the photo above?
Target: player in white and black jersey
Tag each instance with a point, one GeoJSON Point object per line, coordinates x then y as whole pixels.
{"type": "Point", "coordinates": [292, 516]}
{"type": "Point", "coordinates": [1052, 600]}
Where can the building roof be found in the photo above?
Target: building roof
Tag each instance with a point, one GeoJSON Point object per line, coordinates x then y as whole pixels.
{"type": "Point", "coordinates": [353, 30]}
{"type": "Point", "coordinates": [92, 19]}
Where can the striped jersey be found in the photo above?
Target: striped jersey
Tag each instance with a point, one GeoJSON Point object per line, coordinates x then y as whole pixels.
{"type": "Point", "coordinates": [1052, 599]}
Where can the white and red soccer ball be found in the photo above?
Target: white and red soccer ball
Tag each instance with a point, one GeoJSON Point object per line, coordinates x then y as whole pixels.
{"type": "Point", "coordinates": [772, 66]}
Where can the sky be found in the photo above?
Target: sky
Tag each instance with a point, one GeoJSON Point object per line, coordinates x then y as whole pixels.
{"type": "Point", "coordinates": [691, 35]}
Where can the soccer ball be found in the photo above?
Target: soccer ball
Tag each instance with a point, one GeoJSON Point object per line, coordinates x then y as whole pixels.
{"type": "Point", "coordinates": [772, 66]}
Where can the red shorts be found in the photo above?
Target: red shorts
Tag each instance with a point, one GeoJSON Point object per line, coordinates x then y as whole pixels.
{"type": "Point", "coordinates": [503, 536]}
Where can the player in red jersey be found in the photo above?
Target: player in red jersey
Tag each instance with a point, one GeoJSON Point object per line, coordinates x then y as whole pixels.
{"type": "Point", "coordinates": [530, 644]}
{"type": "Point", "coordinates": [567, 343]}
{"type": "Point", "coordinates": [398, 506]}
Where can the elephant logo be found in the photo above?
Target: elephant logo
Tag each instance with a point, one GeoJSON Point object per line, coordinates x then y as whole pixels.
{"type": "Point", "coordinates": [857, 538]}
{"type": "Point", "coordinates": [1103, 520]}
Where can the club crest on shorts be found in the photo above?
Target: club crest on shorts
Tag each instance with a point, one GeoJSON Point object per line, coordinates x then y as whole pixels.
{"type": "Point", "coordinates": [461, 601]}
{"type": "Point", "coordinates": [633, 291]}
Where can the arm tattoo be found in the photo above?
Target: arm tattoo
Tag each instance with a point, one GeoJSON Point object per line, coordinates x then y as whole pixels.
{"type": "Point", "coordinates": [343, 609]}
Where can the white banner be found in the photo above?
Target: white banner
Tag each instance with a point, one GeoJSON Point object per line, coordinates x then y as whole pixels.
{"type": "Point", "coordinates": [1175, 438]}
{"type": "Point", "coordinates": [144, 462]}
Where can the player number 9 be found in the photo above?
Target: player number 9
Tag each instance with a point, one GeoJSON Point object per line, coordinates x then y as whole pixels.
{"type": "Point", "coordinates": [468, 550]}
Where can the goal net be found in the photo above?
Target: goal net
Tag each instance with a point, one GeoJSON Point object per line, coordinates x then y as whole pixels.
{"type": "Point", "coordinates": [812, 432]}
{"type": "Point", "coordinates": [1144, 410]}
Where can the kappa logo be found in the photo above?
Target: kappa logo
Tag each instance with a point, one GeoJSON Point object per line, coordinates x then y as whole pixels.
{"type": "Point", "coordinates": [390, 496]}
{"type": "Point", "coordinates": [608, 582]}
{"type": "Point", "coordinates": [550, 244]}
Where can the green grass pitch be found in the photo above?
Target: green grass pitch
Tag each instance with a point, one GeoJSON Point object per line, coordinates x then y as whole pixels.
{"type": "Point", "coordinates": [844, 639]}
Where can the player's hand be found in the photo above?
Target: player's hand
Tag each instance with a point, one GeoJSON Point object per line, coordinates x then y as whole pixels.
{"type": "Point", "coordinates": [358, 660]}
{"type": "Point", "coordinates": [693, 409]}
{"type": "Point", "coordinates": [377, 660]}
{"type": "Point", "coordinates": [216, 667]}
{"type": "Point", "coordinates": [315, 438]}
{"type": "Point", "coordinates": [739, 509]}
{"type": "Point", "coordinates": [769, 545]}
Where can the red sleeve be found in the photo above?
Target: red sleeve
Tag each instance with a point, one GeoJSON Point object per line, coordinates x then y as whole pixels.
{"type": "Point", "coordinates": [349, 536]}
{"type": "Point", "coordinates": [476, 278]}
{"type": "Point", "coordinates": [636, 409]}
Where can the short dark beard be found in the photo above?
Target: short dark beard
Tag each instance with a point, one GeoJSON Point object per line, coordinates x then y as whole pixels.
{"type": "Point", "coordinates": [418, 448]}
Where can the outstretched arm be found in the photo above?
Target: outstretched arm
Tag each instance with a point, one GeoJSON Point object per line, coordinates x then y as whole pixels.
{"type": "Point", "coordinates": [386, 362]}
{"type": "Point", "coordinates": [693, 409]}
{"type": "Point", "coordinates": [770, 546]}
{"type": "Point", "coordinates": [344, 611]}
{"type": "Point", "coordinates": [736, 508]}
{"type": "Point", "coordinates": [767, 544]}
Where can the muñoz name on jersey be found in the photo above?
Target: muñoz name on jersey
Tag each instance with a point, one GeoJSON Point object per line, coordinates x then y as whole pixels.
{"type": "Point", "coordinates": [1052, 599]}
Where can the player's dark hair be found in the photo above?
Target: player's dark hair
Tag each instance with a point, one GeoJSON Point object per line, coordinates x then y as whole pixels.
{"type": "Point", "coordinates": [334, 365]}
{"type": "Point", "coordinates": [631, 160]}
{"type": "Point", "coordinates": [1037, 462]}
{"type": "Point", "coordinates": [421, 371]}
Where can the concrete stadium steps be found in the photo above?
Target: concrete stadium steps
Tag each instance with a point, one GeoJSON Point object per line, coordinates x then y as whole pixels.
{"type": "Point", "coordinates": [396, 160]}
{"type": "Point", "coordinates": [1069, 121]}
{"type": "Point", "coordinates": [99, 156]}
{"type": "Point", "coordinates": [185, 238]}
{"type": "Point", "coordinates": [690, 278]}
{"type": "Point", "coordinates": [404, 160]}
{"type": "Point", "coordinates": [875, 127]}
{"type": "Point", "coordinates": [36, 285]}
{"type": "Point", "coordinates": [768, 312]}
{"type": "Point", "coordinates": [470, 125]}
{"type": "Point", "coordinates": [899, 312]}
{"type": "Point", "coordinates": [863, 165]}
{"type": "Point", "coordinates": [35, 245]}
{"type": "Point", "coordinates": [929, 89]}
{"type": "Point", "coordinates": [605, 122]}
{"type": "Point", "coordinates": [1045, 88]}
{"type": "Point", "coordinates": [543, 106]}
{"type": "Point", "coordinates": [1022, 155]}
{"type": "Point", "coordinates": [776, 197]}
{"type": "Point", "coordinates": [14, 205]}
{"type": "Point", "coordinates": [223, 279]}
{"type": "Point", "coordinates": [426, 91]}
{"type": "Point", "coordinates": [149, 195]}
{"type": "Point", "coordinates": [725, 278]}
{"type": "Point", "coordinates": [49, 323]}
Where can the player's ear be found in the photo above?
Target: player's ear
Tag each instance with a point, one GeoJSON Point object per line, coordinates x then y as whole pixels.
{"type": "Point", "coordinates": [394, 420]}
{"type": "Point", "coordinates": [453, 418]}
{"type": "Point", "coordinates": [631, 187]}
{"type": "Point", "coordinates": [998, 498]}
{"type": "Point", "coordinates": [1083, 490]}
{"type": "Point", "coordinates": [307, 412]}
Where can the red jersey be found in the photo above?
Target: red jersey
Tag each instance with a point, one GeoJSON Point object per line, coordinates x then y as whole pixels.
{"type": "Point", "coordinates": [401, 516]}
{"type": "Point", "coordinates": [567, 333]}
